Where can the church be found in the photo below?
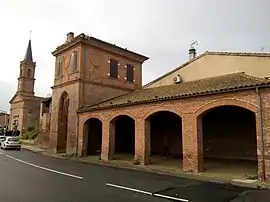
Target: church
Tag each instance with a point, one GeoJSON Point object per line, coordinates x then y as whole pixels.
{"type": "Point", "coordinates": [213, 107]}
{"type": "Point", "coordinates": [24, 105]}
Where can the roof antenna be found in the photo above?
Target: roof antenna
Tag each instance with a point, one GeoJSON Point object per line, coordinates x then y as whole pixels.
{"type": "Point", "coordinates": [263, 48]}
{"type": "Point", "coordinates": [192, 50]}
{"type": "Point", "coordinates": [30, 35]}
{"type": "Point", "coordinates": [193, 44]}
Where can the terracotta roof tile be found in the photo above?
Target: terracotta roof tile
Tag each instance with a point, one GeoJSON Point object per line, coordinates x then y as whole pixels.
{"type": "Point", "coordinates": [84, 37]}
{"type": "Point", "coordinates": [225, 83]}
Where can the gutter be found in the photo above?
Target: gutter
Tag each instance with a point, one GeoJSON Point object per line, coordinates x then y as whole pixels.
{"type": "Point", "coordinates": [261, 134]}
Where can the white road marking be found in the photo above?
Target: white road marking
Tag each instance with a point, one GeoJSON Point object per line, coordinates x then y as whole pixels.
{"type": "Point", "coordinates": [169, 197]}
{"type": "Point", "coordinates": [43, 168]}
{"type": "Point", "coordinates": [1, 153]}
{"type": "Point", "coordinates": [146, 192]}
{"type": "Point", "coordinates": [130, 189]}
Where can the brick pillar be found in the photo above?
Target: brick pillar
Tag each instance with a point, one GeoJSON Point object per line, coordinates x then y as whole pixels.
{"type": "Point", "coordinates": [142, 141]}
{"type": "Point", "coordinates": [264, 165]}
{"type": "Point", "coordinates": [192, 143]}
{"type": "Point", "coordinates": [81, 140]}
{"type": "Point", "coordinates": [108, 140]}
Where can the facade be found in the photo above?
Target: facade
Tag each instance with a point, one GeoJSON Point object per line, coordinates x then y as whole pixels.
{"type": "Point", "coordinates": [215, 106]}
{"type": "Point", "coordinates": [211, 64]}
{"type": "Point", "coordinates": [4, 119]}
{"type": "Point", "coordinates": [199, 101]}
{"type": "Point", "coordinates": [190, 102]}
{"type": "Point", "coordinates": [87, 71]}
{"type": "Point", "coordinates": [24, 105]}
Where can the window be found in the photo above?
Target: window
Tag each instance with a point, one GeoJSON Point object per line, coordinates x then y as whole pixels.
{"type": "Point", "coordinates": [130, 73]}
{"type": "Point", "coordinates": [29, 73]}
{"type": "Point", "coordinates": [59, 68]}
{"type": "Point", "coordinates": [113, 68]}
{"type": "Point", "coordinates": [74, 61]}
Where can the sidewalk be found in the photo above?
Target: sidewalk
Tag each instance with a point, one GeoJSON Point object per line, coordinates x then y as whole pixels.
{"type": "Point", "coordinates": [152, 169]}
{"type": "Point", "coordinates": [32, 148]}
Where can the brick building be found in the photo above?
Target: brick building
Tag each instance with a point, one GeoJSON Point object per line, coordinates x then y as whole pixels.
{"type": "Point", "coordinates": [215, 106]}
{"type": "Point", "coordinates": [24, 105]}
{"type": "Point", "coordinates": [4, 118]}
{"type": "Point", "coordinates": [87, 71]}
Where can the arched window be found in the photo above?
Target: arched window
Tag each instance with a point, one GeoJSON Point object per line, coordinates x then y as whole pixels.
{"type": "Point", "coordinates": [29, 73]}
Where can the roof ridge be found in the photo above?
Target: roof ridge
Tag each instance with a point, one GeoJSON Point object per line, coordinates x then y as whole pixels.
{"type": "Point", "coordinates": [237, 53]}
{"type": "Point", "coordinates": [177, 68]}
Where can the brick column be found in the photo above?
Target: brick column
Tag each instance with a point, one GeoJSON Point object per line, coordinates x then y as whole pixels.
{"type": "Point", "coordinates": [81, 141]}
{"type": "Point", "coordinates": [264, 165]}
{"type": "Point", "coordinates": [142, 141]}
{"type": "Point", "coordinates": [108, 140]}
{"type": "Point", "coordinates": [192, 143]}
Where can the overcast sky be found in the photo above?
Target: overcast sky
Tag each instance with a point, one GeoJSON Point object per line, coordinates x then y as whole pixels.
{"type": "Point", "coordinates": [160, 29]}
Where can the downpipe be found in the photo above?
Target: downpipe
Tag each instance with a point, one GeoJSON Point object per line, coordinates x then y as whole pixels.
{"type": "Point", "coordinates": [261, 134]}
{"type": "Point", "coordinates": [77, 131]}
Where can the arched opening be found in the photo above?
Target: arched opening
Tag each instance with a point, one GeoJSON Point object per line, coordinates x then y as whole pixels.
{"type": "Point", "coordinates": [229, 139]}
{"type": "Point", "coordinates": [29, 73]}
{"type": "Point", "coordinates": [124, 147]}
{"type": "Point", "coordinates": [165, 130]}
{"type": "Point", "coordinates": [93, 136]}
{"type": "Point", "coordinates": [62, 123]}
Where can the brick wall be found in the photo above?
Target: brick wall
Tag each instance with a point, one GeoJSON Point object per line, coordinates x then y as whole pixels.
{"type": "Point", "coordinates": [31, 114]}
{"type": "Point", "coordinates": [16, 113]}
{"type": "Point", "coordinates": [73, 92]}
{"type": "Point", "coordinates": [4, 119]}
{"type": "Point", "coordinates": [89, 84]}
{"type": "Point", "coordinates": [97, 67]}
{"type": "Point", "coordinates": [97, 93]}
{"type": "Point", "coordinates": [191, 111]}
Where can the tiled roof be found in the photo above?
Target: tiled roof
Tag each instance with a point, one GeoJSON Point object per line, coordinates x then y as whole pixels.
{"type": "Point", "coordinates": [47, 99]}
{"type": "Point", "coordinates": [246, 54]}
{"type": "Point", "coordinates": [212, 85]}
{"type": "Point", "coordinates": [84, 37]}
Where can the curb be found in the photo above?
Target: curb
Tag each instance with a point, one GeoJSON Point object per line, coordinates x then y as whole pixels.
{"type": "Point", "coordinates": [149, 170]}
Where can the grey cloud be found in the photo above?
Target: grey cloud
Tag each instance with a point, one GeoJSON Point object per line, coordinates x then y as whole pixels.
{"type": "Point", "coordinates": [160, 29]}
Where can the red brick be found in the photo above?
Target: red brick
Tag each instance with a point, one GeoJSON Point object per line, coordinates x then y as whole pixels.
{"type": "Point", "coordinates": [190, 110]}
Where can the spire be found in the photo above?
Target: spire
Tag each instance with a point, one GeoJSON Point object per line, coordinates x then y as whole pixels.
{"type": "Point", "coordinates": [28, 55]}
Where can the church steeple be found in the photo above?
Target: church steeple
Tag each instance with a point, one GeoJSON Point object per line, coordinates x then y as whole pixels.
{"type": "Point", "coordinates": [28, 55]}
{"type": "Point", "coordinates": [26, 80]}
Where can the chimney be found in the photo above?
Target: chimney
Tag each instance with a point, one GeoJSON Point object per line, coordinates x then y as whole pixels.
{"type": "Point", "coordinates": [192, 53]}
{"type": "Point", "coordinates": [70, 37]}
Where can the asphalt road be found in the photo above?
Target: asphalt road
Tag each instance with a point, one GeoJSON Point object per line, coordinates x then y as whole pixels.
{"type": "Point", "coordinates": [29, 177]}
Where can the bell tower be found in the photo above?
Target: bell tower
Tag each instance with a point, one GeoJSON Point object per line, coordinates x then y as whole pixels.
{"type": "Point", "coordinates": [26, 80]}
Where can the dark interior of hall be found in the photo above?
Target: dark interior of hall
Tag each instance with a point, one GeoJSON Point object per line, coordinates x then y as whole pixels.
{"type": "Point", "coordinates": [124, 135]}
{"type": "Point", "coordinates": [94, 136]}
{"type": "Point", "coordinates": [229, 132]}
{"type": "Point", "coordinates": [166, 129]}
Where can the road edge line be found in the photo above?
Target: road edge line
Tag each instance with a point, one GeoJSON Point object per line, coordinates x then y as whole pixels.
{"type": "Point", "coordinates": [44, 168]}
